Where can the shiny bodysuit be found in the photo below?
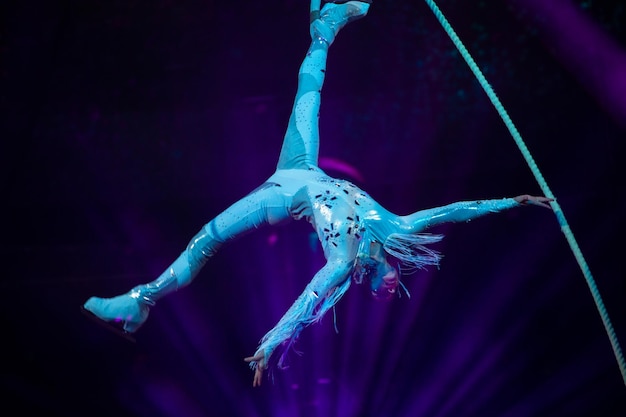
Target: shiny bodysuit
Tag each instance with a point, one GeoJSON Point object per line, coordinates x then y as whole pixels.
{"type": "Point", "coordinates": [346, 219]}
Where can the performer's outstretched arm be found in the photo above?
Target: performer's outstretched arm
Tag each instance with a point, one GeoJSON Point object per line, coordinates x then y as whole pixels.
{"type": "Point", "coordinates": [467, 210]}
{"type": "Point", "coordinates": [325, 289]}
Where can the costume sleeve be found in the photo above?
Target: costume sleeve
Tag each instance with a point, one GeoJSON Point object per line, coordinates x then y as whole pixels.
{"type": "Point", "coordinates": [328, 285]}
{"type": "Point", "coordinates": [457, 212]}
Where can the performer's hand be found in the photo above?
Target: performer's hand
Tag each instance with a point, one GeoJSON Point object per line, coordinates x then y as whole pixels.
{"type": "Point", "coordinates": [537, 201]}
{"type": "Point", "coordinates": [260, 365]}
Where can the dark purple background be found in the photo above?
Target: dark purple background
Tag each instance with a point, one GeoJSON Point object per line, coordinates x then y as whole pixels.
{"type": "Point", "coordinates": [127, 125]}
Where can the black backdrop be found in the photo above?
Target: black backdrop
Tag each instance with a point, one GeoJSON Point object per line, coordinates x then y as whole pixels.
{"type": "Point", "coordinates": [127, 125]}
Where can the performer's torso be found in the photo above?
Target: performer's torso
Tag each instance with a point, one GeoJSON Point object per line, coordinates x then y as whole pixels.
{"type": "Point", "coordinates": [343, 215]}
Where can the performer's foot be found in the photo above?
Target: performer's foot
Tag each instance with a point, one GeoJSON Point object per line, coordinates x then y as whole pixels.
{"type": "Point", "coordinates": [112, 326]}
{"type": "Point", "coordinates": [334, 16]}
{"type": "Point", "coordinates": [124, 314]}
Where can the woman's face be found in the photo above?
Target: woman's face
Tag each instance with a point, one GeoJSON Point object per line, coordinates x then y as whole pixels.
{"type": "Point", "coordinates": [384, 282]}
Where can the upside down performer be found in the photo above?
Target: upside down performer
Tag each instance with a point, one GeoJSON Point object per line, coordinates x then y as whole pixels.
{"type": "Point", "coordinates": [361, 240]}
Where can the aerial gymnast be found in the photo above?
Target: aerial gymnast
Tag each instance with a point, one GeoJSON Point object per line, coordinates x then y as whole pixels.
{"type": "Point", "coordinates": [362, 241]}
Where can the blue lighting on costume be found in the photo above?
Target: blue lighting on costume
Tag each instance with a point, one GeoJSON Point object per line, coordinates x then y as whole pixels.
{"type": "Point", "coordinates": [132, 124]}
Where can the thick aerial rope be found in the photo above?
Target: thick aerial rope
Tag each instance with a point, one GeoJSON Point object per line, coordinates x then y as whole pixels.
{"type": "Point", "coordinates": [542, 183]}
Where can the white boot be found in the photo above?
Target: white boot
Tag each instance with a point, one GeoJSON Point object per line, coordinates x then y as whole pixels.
{"type": "Point", "coordinates": [334, 16]}
{"type": "Point", "coordinates": [126, 313]}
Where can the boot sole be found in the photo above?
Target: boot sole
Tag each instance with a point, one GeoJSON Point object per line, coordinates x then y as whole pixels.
{"type": "Point", "coordinates": [110, 326]}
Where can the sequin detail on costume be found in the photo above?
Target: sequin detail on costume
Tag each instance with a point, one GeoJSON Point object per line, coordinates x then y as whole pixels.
{"type": "Point", "coordinates": [325, 201]}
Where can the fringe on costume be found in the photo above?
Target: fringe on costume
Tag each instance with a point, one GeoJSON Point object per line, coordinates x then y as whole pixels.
{"type": "Point", "coordinates": [411, 252]}
{"type": "Point", "coordinates": [308, 308]}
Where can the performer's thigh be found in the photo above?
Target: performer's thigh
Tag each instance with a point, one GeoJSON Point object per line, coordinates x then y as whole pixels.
{"type": "Point", "coordinates": [261, 207]}
{"type": "Point", "coordinates": [300, 147]}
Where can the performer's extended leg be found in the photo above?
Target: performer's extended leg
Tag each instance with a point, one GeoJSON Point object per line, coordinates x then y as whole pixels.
{"type": "Point", "coordinates": [127, 312]}
{"type": "Point", "coordinates": [300, 147]}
